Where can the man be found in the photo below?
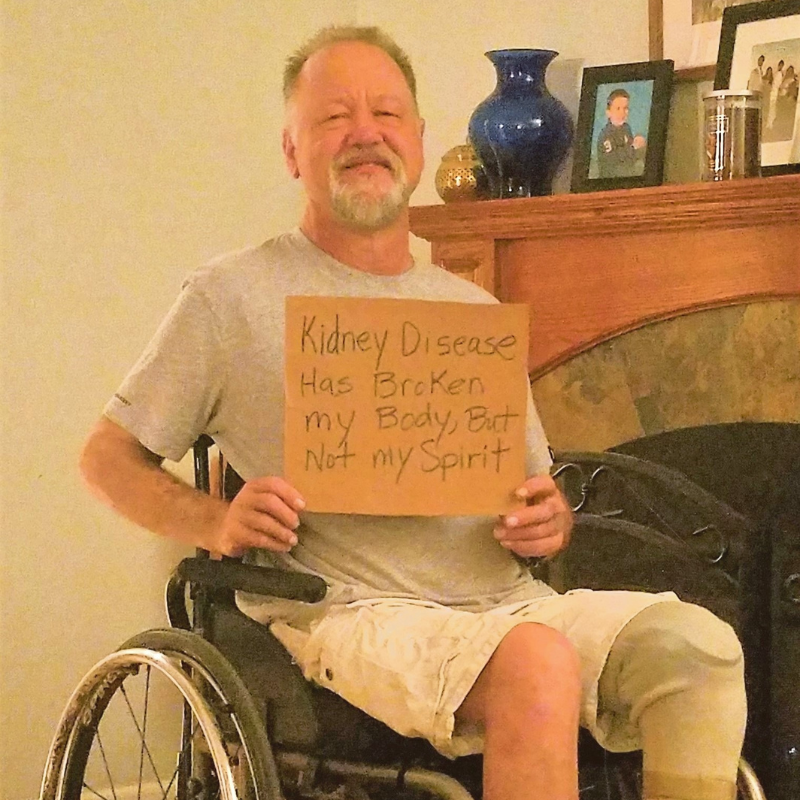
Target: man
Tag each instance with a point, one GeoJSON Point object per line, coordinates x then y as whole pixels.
{"type": "Point", "coordinates": [431, 624]}
{"type": "Point", "coordinates": [620, 154]}
{"type": "Point", "coordinates": [756, 79]}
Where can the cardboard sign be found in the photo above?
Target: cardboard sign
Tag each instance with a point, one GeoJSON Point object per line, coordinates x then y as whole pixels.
{"type": "Point", "coordinates": [405, 407]}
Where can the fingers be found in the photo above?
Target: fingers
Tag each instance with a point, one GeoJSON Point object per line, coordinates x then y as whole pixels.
{"type": "Point", "coordinates": [528, 523]}
{"type": "Point", "coordinates": [542, 527]}
{"type": "Point", "coordinates": [536, 548]}
{"type": "Point", "coordinates": [533, 539]}
{"type": "Point", "coordinates": [273, 497]}
{"type": "Point", "coordinates": [263, 514]}
{"type": "Point", "coordinates": [278, 487]}
{"type": "Point", "coordinates": [537, 487]}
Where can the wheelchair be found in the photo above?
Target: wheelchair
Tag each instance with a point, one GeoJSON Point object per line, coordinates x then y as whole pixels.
{"type": "Point", "coordinates": [213, 708]}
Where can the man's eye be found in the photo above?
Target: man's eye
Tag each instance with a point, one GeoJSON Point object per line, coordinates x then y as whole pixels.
{"type": "Point", "coordinates": [386, 113]}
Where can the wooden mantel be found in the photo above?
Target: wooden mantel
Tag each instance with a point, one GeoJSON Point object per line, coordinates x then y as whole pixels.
{"type": "Point", "coordinates": [594, 265]}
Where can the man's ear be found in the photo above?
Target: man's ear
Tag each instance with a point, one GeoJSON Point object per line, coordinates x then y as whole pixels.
{"type": "Point", "coordinates": [289, 154]}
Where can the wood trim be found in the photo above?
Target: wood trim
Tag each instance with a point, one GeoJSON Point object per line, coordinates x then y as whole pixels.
{"type": "Point", "coordinates": [655, 22]}
{"type": "Point", "coordinates": [594, 291]}
{"type": "Point", "coordinates": [742, 203]}
{"type": "Point", "coordinates": [538, 367]}
{"type": "Point", "coordinates": [470, 259]}
{"type": "Point", "coordinates": [696, 74]}
{"type": "Point", "coordinates": [593, 266]}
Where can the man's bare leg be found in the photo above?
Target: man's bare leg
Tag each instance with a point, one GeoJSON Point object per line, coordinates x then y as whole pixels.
{"type": "Point", "coordinates": [528, 700]}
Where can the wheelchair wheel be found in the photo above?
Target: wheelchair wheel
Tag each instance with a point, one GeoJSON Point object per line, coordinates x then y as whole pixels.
{"type": "Point", "coordinates": [166, 717]}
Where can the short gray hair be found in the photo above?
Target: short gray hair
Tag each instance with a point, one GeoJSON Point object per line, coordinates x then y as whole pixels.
{"type": "Point", "coordinates": [346, 33]}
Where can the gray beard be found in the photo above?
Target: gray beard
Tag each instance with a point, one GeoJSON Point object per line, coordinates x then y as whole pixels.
{"type": "Point", "coordinates": [365, 211]}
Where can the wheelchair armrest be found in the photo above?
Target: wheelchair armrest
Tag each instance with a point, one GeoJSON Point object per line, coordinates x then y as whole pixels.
{"type": "Point", "coordinates": [250, 578]}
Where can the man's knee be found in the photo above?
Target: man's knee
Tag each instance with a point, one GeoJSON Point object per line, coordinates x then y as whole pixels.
{"type": "Point", "coordinates": [537, 652]}
{"type": "Point", "coordinates": [682, 632]}
{"type": "Point", "coordinates": [533, 667]}
{"type": "Point", "coordinates": [668, 648]}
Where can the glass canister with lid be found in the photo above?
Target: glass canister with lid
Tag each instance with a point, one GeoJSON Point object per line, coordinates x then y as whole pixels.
{"type": "Point", "coordinates": [731, 135]}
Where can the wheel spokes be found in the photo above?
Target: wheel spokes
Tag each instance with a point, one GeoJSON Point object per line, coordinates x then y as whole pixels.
{"type": "Point", "coordinates": [94, 792]}
{"type": "Point", "coordinates": [185, 752]}
{"type": "Point", "coordinates": [144, 727]}
{"type": "Point", "coordinates": [117, 737]}
{"type": "Point", "coordinates": [145, 750]}
{"type": "Point", "coordinates": [141, 755]}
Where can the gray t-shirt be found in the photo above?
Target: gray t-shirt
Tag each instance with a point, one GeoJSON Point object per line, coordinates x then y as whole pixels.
{"type": "Point", "coordinates": [216, 366]}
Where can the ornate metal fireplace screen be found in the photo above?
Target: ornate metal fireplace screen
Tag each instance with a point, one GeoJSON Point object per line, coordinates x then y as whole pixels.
{"type": "Point", "coordinates": [641, 525]}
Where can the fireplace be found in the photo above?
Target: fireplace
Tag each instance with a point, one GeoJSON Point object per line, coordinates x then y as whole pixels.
{"type": "Point", "coordinates": [714, 395]}
{"type": "Point", "coordinates": [665, 323]}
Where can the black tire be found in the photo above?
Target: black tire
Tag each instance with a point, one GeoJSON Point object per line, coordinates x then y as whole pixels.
{"type": "Point", "coordinates": [226, 755]}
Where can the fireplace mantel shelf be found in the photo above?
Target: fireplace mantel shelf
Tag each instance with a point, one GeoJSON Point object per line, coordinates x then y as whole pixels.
{"type": "Point", "coordinates": [594, 265]}
{"type": "Point", "coordinates": [750, 202]}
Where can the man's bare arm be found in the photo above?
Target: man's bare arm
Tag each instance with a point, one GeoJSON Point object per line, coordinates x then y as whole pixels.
{"type": "Point", "coordinates": [127, 476]}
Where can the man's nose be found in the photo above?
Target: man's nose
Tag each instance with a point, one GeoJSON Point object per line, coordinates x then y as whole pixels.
{"type": "Point", "coordinates": [365, 128]}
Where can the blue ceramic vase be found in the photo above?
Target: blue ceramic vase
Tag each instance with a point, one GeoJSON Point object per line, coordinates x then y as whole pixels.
{"type": "Point", "coordinates": [520, 132]}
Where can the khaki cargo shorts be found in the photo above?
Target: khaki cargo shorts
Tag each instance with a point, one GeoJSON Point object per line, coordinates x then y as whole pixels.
{"type": "Point", "coordinates": [411, 663]}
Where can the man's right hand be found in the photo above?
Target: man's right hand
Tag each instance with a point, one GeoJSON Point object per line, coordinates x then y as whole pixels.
{"type": "Point", "coordinates": [127, 476]}
{"type": "Point", "coordinates": [263, 514]}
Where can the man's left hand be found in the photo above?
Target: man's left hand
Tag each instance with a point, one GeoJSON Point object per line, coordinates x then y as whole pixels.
{"type": "Point", "coordinates": [542, 528]}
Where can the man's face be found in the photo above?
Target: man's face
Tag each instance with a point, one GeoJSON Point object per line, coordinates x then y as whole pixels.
{"type": "Point", "coordinates": [354, 136]}
{"type": "Point", "coordinates": [617, 112]}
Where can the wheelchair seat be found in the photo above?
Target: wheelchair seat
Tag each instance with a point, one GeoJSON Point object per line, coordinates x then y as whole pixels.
{"type": "Point", "coordinates": [250, 727]}
{"type": "Point", "coordinates": [309, 724]}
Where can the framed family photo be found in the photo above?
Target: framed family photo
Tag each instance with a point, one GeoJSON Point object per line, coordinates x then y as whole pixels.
{"type": "Point", "coordinates": [622, 126]}
{"type": "Point", "coordinates": [759, 50]}
{"type": "Point", "coordinates": [688, 33]}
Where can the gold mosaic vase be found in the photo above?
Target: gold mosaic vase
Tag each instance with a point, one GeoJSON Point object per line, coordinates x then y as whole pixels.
{"type": "Point", "coordinates": [460, 175]}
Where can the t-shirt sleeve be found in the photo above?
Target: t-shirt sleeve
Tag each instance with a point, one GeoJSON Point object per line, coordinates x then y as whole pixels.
{"type": "Point", "coordinates": [538, 461]}
{"type": "Point", "coordinates": [170, 396]}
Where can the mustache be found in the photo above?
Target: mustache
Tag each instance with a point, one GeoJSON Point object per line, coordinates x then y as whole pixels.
{"type": "Point", "coordinates": [354, 158]}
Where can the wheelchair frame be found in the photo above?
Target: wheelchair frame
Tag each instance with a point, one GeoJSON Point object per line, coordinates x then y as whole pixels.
{"type": "Point", "coordinates": [233, 743]}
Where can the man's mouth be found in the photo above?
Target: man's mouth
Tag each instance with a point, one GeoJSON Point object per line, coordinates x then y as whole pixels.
{"type": "Point", "coordinates": [354, 162]}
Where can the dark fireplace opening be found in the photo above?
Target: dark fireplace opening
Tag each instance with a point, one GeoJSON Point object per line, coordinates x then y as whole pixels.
{"type": "Point", "coordinates": [755, 469]}
{"type": "Point", "coordinates": [712, 397]}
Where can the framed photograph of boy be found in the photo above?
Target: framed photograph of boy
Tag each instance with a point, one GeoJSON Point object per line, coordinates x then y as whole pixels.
{"type": "Point", "coordinates": [759, 50]}
{"type": "Point", "coordinates": [622, 126]}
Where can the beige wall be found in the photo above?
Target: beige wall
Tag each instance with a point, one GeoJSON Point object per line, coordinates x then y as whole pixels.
{"type": "Point", "coordinates": [139, 139]}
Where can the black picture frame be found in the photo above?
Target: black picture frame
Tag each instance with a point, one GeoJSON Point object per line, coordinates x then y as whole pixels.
{"type": "Point", "coordinates": [736, 49]}
{"type": "Point", "coordinates": [617, 162]}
